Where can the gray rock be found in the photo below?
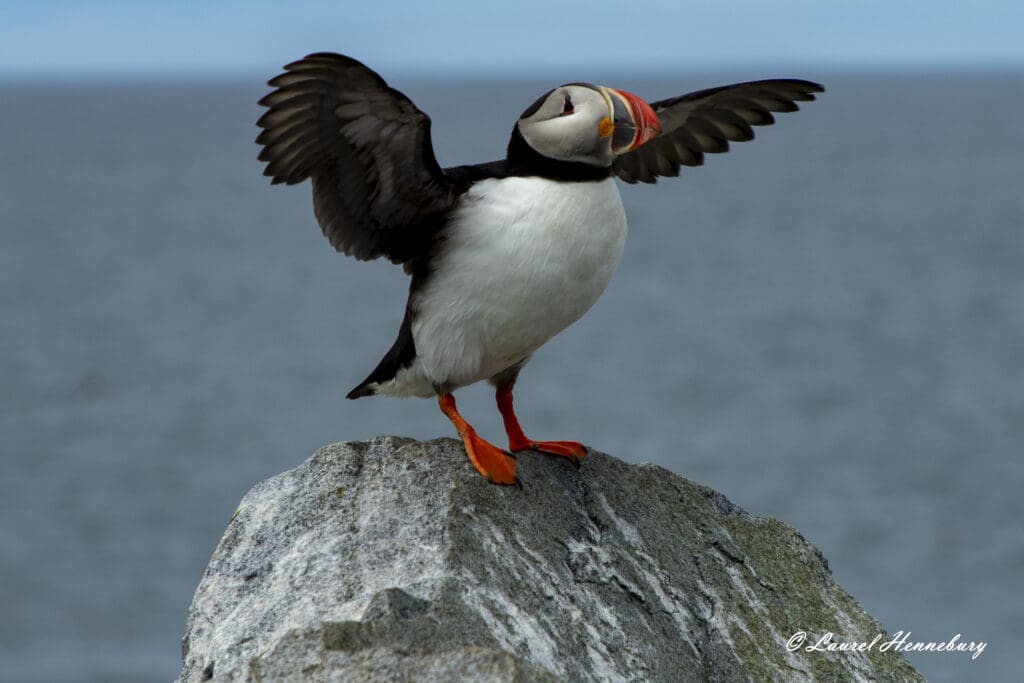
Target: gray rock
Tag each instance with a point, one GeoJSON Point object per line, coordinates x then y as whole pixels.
{"type": "Point", "coordinates": [393, 560]}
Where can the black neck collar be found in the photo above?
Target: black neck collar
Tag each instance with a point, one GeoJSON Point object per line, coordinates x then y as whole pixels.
{"type": "Point", "coordinates": [524, 160]}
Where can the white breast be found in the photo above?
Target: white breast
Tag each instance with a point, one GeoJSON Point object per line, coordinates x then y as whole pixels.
{"type": "Point", "coordinates": [524, 259]}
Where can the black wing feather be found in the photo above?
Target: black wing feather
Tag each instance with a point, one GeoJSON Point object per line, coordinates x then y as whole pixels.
{"type": "Point", "coordinates": [705, 122]}
{"type": "Point", "coordinates": [377, 187]}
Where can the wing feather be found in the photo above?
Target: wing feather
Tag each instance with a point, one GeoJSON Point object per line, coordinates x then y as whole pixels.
{"type": "Point", "coordinates": [704, 122]}
{"type": "Point", "coordinates": [377, 187]}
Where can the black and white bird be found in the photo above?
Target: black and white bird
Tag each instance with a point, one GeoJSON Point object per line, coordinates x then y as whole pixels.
{"type": "Point", "coordinates": [503, 255]}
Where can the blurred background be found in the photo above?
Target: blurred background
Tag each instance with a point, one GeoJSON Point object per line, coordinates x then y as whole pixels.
{"type": "Point", "coordinates": [826, 324]}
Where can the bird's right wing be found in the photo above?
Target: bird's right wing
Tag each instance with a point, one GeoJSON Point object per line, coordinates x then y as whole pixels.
{"type": "Point", "coordinates": [377, 187]}
{"type": "Point", "coordinates": [705, 121]}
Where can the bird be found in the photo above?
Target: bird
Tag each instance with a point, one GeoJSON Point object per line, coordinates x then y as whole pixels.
{"type": "Point", "coordinates": [501, 255]}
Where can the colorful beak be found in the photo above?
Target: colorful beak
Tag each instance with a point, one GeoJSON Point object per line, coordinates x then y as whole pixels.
{"type": "Point", "coordinates": [635, 121]}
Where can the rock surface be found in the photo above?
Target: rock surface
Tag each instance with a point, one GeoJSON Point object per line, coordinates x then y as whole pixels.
{"type": "Point", "coordinates": [393, 560]}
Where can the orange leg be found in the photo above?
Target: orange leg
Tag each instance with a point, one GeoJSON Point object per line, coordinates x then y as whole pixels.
{"type": "Point", "coordinates": [498, 466]}
{"type": "Point", "coordinates": [518, 441]}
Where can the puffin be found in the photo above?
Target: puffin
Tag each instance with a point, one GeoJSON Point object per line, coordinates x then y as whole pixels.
{"type": "Point", "coordinates": [502, 255]}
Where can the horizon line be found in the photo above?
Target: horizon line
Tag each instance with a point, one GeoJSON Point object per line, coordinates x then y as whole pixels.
{"type": "Point", "coordinates": [239, 74]}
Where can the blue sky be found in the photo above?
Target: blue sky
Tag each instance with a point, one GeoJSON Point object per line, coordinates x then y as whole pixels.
{"type": "Point", "coordinates": [67, 39]}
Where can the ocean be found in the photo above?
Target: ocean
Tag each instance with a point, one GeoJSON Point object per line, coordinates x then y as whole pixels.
{"type": "Point", "coordinates": [826, 324]}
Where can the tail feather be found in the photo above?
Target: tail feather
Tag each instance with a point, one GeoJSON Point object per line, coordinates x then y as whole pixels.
{"type": "Point", "coordinates": [401, 354]}
{"type": "Point", "coordinates": [364, 389]}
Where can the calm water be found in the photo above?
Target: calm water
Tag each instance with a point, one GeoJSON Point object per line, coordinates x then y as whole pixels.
{"type": "Point", "coordinates": [826, 324]}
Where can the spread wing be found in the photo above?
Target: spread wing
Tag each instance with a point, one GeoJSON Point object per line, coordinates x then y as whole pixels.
{"type": "Point", "coordinates": [705, 121]}
{"type": "Point", "coordinates": [377, 187]}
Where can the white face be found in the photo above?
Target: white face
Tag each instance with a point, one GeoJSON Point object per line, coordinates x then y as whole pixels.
{"type": "Point", "coordinates": [571, 123]}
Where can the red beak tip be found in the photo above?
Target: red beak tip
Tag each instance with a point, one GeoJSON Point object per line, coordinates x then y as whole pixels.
{"type": "Point", "coordinates": [648, 126]}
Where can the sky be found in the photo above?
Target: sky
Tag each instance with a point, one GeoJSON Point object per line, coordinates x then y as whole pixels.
{"type": "Point", "coordinates": [68, 40]}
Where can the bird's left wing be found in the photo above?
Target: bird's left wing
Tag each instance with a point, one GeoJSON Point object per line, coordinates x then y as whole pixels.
{"type": "Point", "coordinates": [705, 121]}
{"type": "Point", "coordinates": [377, 187]}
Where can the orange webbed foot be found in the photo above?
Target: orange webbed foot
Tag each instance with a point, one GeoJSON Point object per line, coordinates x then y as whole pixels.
{"type": "Point", "coordinates": [493, 463]}
{"type": "Point", "coordinates": [497, 466]}
{"type": "Point", "coordinates": [518, 441]}
{"type": "Point", "coordinates": [573, 450]}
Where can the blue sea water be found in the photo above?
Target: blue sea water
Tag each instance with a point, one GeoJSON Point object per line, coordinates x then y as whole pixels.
{"type": "Point", "coordinates": [826, 324]}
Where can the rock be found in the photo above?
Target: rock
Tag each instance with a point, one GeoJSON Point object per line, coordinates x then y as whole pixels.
{"type": "Point", "coordinates": [393, 560]}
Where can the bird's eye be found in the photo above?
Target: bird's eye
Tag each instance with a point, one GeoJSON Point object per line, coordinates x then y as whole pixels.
{"type": "Point", "coordinates": [566, 107]}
